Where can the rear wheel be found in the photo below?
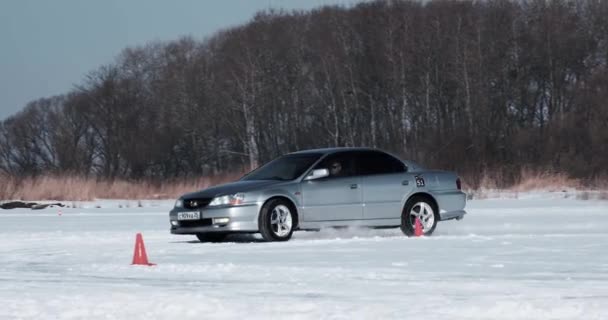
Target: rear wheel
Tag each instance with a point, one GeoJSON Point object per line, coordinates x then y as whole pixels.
{"type": "Point", "coordinates": [211, 236]}
{"type": "Point", "coordinates": [277, 220]}
{"type": "Point", "coordinates": [419, 208]}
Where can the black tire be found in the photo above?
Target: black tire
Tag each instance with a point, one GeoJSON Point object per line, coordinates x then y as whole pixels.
{"type": "Point", "coordinates": [408, 221]}
{"type": "Point", "coordinates": [211, 236]}
{"type": "Point", "coordinates": [268, 231]}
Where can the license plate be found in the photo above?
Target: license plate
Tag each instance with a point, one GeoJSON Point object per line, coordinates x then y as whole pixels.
{"type": "Point", "coordinates": [193, 215]}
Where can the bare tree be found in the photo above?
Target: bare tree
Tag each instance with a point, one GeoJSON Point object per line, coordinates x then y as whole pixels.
{"type": "Point", "coordinates": [467, 85]}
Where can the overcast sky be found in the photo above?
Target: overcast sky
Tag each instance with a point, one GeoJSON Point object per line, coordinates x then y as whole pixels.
{"type": "Point", "coordinates": [46, 47]}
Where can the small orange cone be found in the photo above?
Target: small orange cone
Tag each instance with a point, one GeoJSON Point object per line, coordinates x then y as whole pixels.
{"type": "Point", "coordinates": [418, 228]}
{"type": "Point", "coordinates": [139, 256]}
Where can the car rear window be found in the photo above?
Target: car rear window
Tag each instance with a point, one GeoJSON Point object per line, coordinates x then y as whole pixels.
{"type": "Point", "coordinates": [369, 163]}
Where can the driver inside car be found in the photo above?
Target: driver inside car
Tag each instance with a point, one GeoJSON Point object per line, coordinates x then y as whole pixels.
{"type": "Point", "coordinates": [335, 169]}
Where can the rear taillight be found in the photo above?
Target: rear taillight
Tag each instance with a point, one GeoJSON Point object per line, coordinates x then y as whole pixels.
{"type": "Point", "coordinates": [458, 184]}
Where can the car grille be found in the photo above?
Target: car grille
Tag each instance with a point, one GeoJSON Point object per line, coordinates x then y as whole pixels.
{"type": "Point", "coordinates": [196, 223]}
{"type": "Point", "coordinates": [196, 203]}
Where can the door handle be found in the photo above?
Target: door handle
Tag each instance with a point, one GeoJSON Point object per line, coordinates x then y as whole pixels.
{"type": "Point", "coordinates": [405, 182]}
{"type": "Point", "coordinates": [354, 186]}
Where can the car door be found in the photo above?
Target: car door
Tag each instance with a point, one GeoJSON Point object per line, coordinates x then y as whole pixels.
{"type": "Point", "coordinates": [384, 183]}
{"type": "Point", "coordinates": [336, 197]}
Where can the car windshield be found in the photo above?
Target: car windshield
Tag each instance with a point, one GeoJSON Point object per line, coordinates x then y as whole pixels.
{"type": "Point", "coordinates": [284, 168]}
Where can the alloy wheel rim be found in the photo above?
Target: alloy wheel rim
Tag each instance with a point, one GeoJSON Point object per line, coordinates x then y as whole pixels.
{"type": "Point", "coordinates": [280, 220]}
{"type": "Point", "coordinates": [424, 213]}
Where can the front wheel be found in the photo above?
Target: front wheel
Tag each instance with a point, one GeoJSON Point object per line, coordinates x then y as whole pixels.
{"type": "Point", "coordinates": [277, 220]}
{"type": "Point", "coordinates": [424, 210]}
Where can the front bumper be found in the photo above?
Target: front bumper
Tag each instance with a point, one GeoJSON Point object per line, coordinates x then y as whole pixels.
{"type": "Point", "coordinates": [243, 218]}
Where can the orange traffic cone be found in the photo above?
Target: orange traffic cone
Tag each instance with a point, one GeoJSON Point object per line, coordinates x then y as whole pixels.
{"type": "Point", "coordinates": [418, 228]}
{"type": "Point", "coordinates": [139, 256]}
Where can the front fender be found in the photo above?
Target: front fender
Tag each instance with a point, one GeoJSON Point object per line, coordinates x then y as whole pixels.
{"type": "Point", "coordinates": [291, 193]}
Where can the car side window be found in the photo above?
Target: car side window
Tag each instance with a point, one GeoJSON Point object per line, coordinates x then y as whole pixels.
{"type": "Point", "coordinates": [339, 165]}
{"type": "Point", "coordinates": [373, 162]}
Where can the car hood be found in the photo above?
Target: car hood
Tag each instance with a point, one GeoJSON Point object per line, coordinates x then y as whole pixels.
{"type": "Point", "coordinates": [231, 188]}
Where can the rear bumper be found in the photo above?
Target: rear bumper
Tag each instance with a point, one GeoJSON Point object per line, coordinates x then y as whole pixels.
{"type": "Point", "coordinates": [242, 219]}
{"type": "Point", "coordinates": [451, 204]}
{"type": "Point", "coordinates": [459, 214]}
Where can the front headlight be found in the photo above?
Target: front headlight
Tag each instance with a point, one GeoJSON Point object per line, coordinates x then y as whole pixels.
{"type": "Point", "coordinates": [179, 203]}
{"type": "Point", "coordinates": [228, 200]}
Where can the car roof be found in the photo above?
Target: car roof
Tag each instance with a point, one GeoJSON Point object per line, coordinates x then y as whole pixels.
{"type": "Point", "coordinates": [412, 165]}
{"type": "Point", "coordinates": [335, 149]}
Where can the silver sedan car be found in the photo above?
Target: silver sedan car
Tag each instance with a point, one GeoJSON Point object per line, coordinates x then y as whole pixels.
{"type": "Point", "coordinates": [313, 189]}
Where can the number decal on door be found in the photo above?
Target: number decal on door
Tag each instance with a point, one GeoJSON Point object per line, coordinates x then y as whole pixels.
{"type": "Point", "coordinates": [419, 182]}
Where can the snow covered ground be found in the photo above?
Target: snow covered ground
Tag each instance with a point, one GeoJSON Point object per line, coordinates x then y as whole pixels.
{"type": "Point", "coordinates": [540, 257]}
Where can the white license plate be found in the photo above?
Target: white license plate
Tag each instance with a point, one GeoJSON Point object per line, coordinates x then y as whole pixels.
{"type": "Point", "coordinates": [193, 215]}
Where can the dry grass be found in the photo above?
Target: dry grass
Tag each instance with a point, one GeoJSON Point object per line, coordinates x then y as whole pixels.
{"type": "Point", "coordinates": [493, 182]}
{"type": "Point", "coordinates": [528, 180]}
{"type": "Point", "coordinates": [73, 188]}
{"type": "Point", "coordinates": [62, 188]}
{"type": "Point", "coordinates": [545, 181]}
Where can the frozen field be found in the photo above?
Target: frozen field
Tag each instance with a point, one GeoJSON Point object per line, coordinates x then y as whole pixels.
{"type": "Point", "coordinates": [542, 257]}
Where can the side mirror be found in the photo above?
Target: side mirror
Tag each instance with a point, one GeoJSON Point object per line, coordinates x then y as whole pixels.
{"type": "Point", "coordinates": [317, 174]}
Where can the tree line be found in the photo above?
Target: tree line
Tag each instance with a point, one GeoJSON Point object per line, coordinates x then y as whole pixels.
{"type": "Point", "coordinates": [465, 85]}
